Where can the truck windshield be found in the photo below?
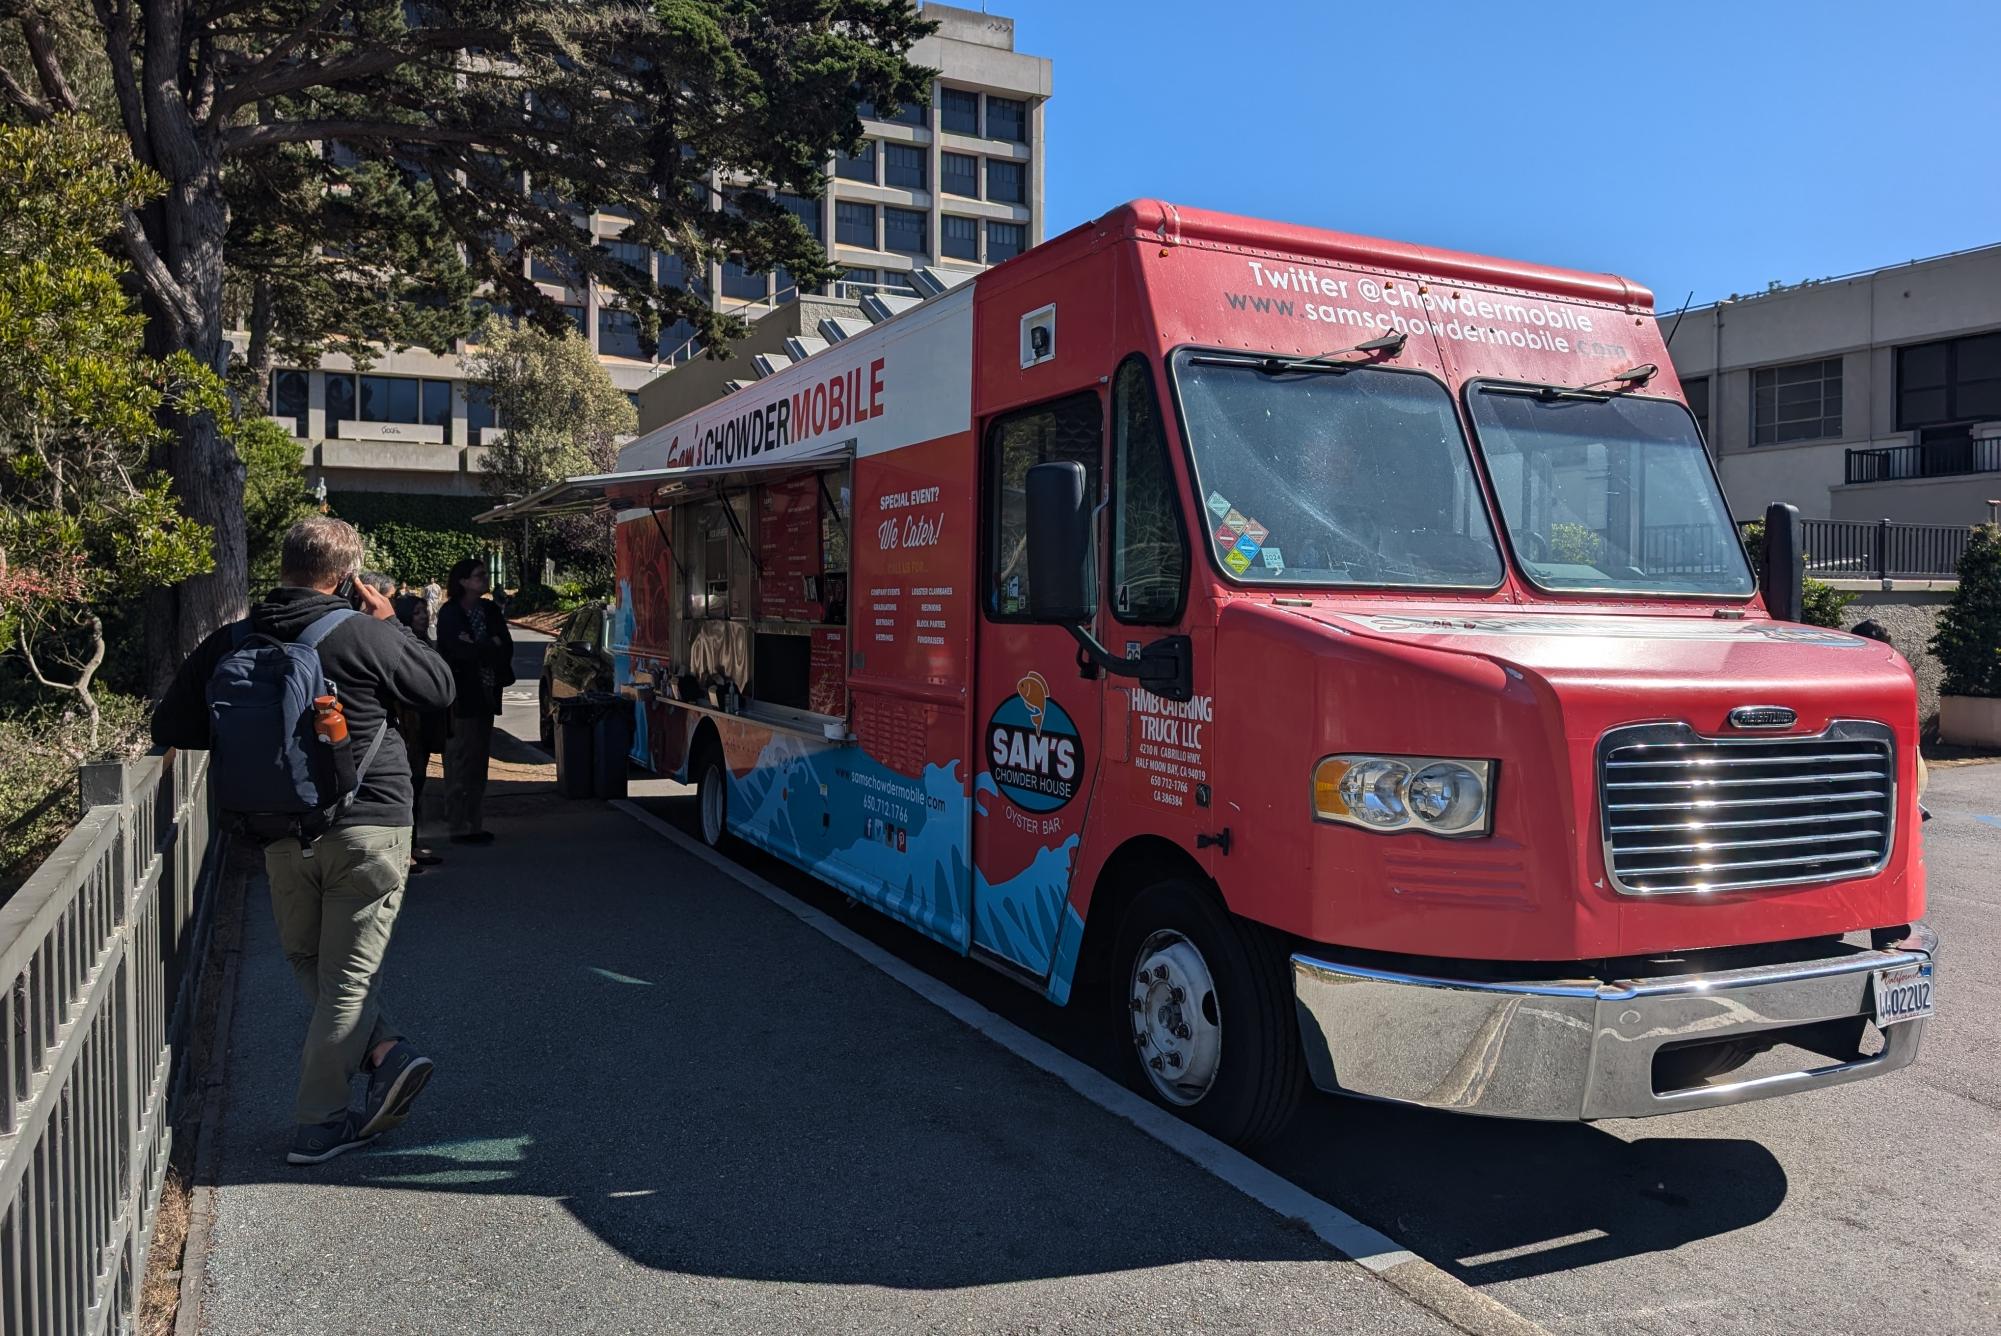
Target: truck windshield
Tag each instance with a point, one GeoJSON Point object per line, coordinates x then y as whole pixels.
{"type": "Point", "coordinates": [1320, 477]}
{"type": "Point", "coordinates": [1607, 492]}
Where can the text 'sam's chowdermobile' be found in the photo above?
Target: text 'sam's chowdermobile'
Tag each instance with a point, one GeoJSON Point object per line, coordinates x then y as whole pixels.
{"type": "Point", "coordinates": [1330, 661]}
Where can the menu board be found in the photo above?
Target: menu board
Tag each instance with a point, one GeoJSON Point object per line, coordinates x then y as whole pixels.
{"type": "Point", "coordinates": [790, 547]}
{"type": "Point", "coordinates": [827, 670]}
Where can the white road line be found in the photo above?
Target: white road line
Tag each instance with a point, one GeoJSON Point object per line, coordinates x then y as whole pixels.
{"type": "Point", "coordinates": [1334, 1226]}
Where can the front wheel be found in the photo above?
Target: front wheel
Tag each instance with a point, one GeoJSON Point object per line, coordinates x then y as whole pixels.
{"type": "Point", "coordinates": [1205, 1014]}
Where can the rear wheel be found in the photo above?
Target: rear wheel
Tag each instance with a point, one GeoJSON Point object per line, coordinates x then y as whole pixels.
{"type": "Point", "coordinates": [1204, 1010]}
{"type": "Point", "coordinates": [712, 797]}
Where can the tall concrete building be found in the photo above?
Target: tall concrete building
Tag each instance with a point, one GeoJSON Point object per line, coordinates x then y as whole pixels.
{"type": "Point", "coordinates": [957, 185]}
{"type": "Point", "coordinates": [1869, 396]}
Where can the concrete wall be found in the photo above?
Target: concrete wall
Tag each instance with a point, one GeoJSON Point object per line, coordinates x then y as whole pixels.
{"type": "Point", "coordinates": [1861, 319]}
{"type": "Point", "coordinates": [1911, 618]}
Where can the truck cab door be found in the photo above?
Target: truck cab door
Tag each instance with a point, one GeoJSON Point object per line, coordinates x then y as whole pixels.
{"type": "Point", "coordinates": [1036, 714]}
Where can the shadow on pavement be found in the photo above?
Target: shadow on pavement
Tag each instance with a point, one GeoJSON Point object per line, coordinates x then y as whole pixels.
{"type": "Point", "coordinates": [1486, 1199]}
{"type": "Point", "coordinates": [709, 1087]}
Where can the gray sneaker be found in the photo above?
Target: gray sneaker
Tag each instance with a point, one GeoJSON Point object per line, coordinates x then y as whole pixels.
{"type": "Point", "coordinates": [392, 1088]}
{"type": "Point", "coordinates": [316, 1143]}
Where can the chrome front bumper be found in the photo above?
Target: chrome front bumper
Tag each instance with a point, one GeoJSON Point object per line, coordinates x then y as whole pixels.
{"type": "Point", "coordinates": [1580, 1048]}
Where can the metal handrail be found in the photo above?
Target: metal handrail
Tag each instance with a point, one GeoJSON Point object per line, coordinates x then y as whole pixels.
{"type": "Point", "coordinates": [100, 952]}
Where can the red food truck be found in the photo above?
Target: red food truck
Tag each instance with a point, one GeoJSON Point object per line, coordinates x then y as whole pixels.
{"type": "Point", "coordinates": [1332, 660]}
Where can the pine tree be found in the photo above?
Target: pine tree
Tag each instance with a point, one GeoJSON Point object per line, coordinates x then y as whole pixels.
{"type": "Point", "coordinates": [348, 152]}
{"type": "Point", "coordinates": [1968, 642]}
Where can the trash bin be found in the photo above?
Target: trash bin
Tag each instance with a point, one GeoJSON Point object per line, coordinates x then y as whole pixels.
{"type": "Point", "coordinates": [576, 722]}
{"type": "Point", "coordinates": [611, 741]}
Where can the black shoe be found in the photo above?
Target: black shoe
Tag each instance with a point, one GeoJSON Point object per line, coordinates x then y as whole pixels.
{"type": "Point", "coordinates": [392, 1088]}
{"type": "Point", "coordinates": [474, 837]}
{"type": "Point", "coordinates": [425, 858]}
{"type": "Point", "coordinates": [316, 1143]}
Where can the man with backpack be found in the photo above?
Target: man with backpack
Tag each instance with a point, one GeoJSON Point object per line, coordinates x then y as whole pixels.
{"type": "Point", "coordinates": [296, 703]}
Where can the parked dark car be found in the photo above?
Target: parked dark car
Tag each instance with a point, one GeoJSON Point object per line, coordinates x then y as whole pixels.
{"type": "Point", "coordinates": [579, 661]}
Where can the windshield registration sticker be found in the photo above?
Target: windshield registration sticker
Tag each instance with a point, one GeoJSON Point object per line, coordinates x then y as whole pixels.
{"type": "Point", "coordinates": [1273, 559]}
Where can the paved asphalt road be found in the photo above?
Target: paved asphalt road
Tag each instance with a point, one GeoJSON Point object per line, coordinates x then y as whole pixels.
{"type": "Point", "coordinates": [664, 1104]}
{"type": "Point", "coordinates": [1867, 1209]}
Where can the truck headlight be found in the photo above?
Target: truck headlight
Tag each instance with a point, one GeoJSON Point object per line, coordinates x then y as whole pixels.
{"type": "Point", "coordinates": [1391, 793]}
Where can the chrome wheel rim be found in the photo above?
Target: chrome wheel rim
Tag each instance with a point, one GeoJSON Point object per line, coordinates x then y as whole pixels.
{"type": "Point", "coordinates": [1176, 1022]}
{"type": "Point", "coordinates": [712, 805]}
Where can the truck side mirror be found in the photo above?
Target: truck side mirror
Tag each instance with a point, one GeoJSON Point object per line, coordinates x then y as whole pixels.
{"type": "Point", "coordinates": [1062, 559]}
{"type": "Point", "coordinates": [1782, 572]}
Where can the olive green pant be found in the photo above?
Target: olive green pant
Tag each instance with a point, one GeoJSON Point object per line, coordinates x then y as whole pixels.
{"type": "Point", "coordinates": [335, 909]}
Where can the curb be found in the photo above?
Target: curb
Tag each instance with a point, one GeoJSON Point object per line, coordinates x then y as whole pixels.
{"type": "Point", "coordinates": [1445, 1296]}
{"type": "Point", "coordinates": [208, 1136]}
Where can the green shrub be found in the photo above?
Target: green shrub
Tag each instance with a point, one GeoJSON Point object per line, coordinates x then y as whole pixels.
{"type": "Point", "coordinates": [414, 538]}
{"type": "Point", "coordinates": [1968, 642]}
{"type": "Point", "coordinates": [40, 750]}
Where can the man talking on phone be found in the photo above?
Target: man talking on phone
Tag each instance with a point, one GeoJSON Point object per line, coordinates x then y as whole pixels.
{"type": "Point", "coordinates": [336, 885]}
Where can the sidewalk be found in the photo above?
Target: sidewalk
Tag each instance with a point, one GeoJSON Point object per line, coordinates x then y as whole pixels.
{"type": "Point", "coordinates": [664, 1104]}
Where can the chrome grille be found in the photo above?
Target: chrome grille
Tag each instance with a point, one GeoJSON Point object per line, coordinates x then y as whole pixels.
{"type": "Point", "coordinates": [1686, 813]}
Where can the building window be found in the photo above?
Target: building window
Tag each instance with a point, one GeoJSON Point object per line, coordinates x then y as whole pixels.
{"type": "Point", "coordinates": [1801, 402]}
{"type": "Point", "coordinates": [909, 113]}
{"type": "Point", "coordinates": [807, 211]}
{"type": "Point", "coordinates": [618, 333]}
{"type": "Point", "coordinates": [290, 395]}
{"type": "Point", "coordinates": [390, 399]}
{"type": "Point", "coordinates": [437, 409]}
{"type": "Point", "coordinates": [740, 284]}
{"type": "Point", "coordinates": [860, 167]}
{"type": "Point", "coordinates": [1697, 393]}
{"type": "Point", "coordinates": [629, 253]}
{"type": "Point", "coordinates": [552, 267]}
{"type": "Point", "coordinates": [1005, 241]}
{"type": "Point", "coordinates": [867, 278]}
{"type": "Point", "coordinates": [480, 417]}
{"type": "Point", "coordinates": [1068, 429]}
{"type": "Point", "coordinates": [898, 280]}
{"type": "Point", "coordinates": [340, 401]}
{"type": "Point", "coordinates": [1007, 118]}
{"type": "Point", "coordinates": [959, 111]}
{"type": "Point", "coordinates": [903, 166]}
{"type": "Point", "coordinates": [854, 224]}
{"type": "Point", "coordinates": [960, 238]}
{"type": "Point", "coordinates": [1953, 380]}
{"type": "Point", "coordinates": [903, 231]}
{"type": "Point", "coordinates": [1007, 182]}
{"type": "Point", "coordinates": [1149, 550]}
{"type": "Point", "coordinates": [575, 315]}
{"type": "Point", "coordinates": [959, 174]}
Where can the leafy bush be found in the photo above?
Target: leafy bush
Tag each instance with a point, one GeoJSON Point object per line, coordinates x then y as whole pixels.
{"type": "Point", "coordinates": [1575, 544]}
{"type": "Point", "coordinates": [415, 538]}
{"type": "Point", "coordinates": [40, 750]}
{"type": "Point", "coordinates": [1821, 605]}
{"type": "Point", "coordinates": [1968, 642]}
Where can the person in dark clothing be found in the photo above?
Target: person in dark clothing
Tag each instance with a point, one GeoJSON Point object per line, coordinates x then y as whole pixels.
{"type": "Point", "coordinates": [335, 896]}
{"type": "Point", "coordinates": [473, 637]}
{"type": "Point", "coordinates": [424, 731]}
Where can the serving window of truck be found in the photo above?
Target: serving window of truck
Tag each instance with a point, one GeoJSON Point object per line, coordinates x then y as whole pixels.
{"type": "Point", "coordinates": [1328, 661]}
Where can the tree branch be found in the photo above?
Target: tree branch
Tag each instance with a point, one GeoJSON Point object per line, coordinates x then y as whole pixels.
{"type": "Point", "coordinates": [34, 107]}
{"type": "Point", "coordinates": [50, 71]}
{"type": "Point", "coordinates": [160, 281]}
{"type": "Point", "coordinates": [117, 23]}
{"type": "Point", "coordinates": [266, 134]}
{"type": "Point", "coordinates": [282, 80]}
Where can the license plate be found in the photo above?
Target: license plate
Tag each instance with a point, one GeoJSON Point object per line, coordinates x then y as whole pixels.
{"type": "Point", "coordinates": [1903, 993]}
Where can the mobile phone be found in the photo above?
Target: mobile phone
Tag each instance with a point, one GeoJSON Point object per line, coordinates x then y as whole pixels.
{"type": "Point", "coordinates": [350, 591]}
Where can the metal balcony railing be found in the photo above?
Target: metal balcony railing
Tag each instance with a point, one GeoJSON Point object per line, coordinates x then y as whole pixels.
{"type": "Point", "coordinates": [1860, 550]}
{"type": "Point", "coordinates": [1934, 459]}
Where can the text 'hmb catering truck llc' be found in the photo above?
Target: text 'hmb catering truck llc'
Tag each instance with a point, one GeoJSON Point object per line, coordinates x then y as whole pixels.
{"type": "Point", "coordinates": [1330, 659]}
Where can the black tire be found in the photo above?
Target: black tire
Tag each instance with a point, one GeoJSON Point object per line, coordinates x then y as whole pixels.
{"type": "Point", "coordinates": [546, 717]}
{"type": "Point", "coordinates": [1260, 1073]}
{"type": "Point", "coordinates": [712, 796]}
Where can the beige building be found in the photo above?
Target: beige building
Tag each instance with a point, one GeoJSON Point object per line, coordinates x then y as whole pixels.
{"type": "Point", "coordinates": [953, 187]}
{"type": "Point", "coordinates": [1870, 396]}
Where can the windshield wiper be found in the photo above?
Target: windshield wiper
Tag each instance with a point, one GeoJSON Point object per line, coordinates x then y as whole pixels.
{"type": "Point", "coordinates": [1389, 345]}
{"type": "Point", "coordinates": [1632, 378]}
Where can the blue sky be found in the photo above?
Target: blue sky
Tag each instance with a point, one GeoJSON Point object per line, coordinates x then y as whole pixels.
{"type": "Point", "coordinates": [1700, 146]}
